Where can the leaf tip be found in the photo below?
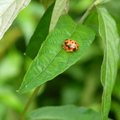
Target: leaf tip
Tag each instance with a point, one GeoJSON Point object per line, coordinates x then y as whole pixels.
{"type": "Point", "coordinates": [22, 89]}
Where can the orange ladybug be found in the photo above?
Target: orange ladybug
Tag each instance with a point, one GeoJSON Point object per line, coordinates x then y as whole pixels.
{"type": "Point", "coordinates": [70, 45]}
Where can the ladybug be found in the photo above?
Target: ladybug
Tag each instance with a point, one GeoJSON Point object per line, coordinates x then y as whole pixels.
{"type": "Point", "coordinates": [70, 45]}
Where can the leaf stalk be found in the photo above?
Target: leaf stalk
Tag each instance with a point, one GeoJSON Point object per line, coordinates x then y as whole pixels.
{"type": "Point", "coordinates": [89, 10]}
{"type": "Point", "coordinates": [29, 102]}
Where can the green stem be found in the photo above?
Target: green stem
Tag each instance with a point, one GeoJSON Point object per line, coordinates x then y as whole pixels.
{"type": "Point", "coordinates": [29, 102]}
{"type": "Point", "coordinates": [86, 13]}
{"type": "Point", "coordinates": [89, 10]}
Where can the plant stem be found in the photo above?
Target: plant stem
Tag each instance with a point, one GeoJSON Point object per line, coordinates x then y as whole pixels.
{"type": "Point", "coordinates": [86, 13]}
{"type": "Point", "coordinates": [89, 10]}
{"type": "Point", "coordinates": [29, 102]}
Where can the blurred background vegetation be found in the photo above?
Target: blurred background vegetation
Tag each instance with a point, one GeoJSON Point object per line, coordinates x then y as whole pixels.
{"type": "Point", "coordinates": [79, 85]}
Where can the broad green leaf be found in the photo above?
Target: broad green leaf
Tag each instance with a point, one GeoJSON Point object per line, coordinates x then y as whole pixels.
{"type": "Point", "coordinates": [9, 9]}
{"type": "Point", "coordinates": [59, 7]}
{"type": "Point", "coordinates": [68, 112]}
{"type": "Point", "coordinates": [109, 35]}
{"type": "Point", "coordinates": [40, 33]}
{"type": "Point", "coordinates": [52, 59]}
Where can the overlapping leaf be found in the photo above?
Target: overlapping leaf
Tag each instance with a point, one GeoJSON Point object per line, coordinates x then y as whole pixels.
{"type": "Point", "coordinates": [52, 59]}
{"type": "Point", "coordinates": [46, 25]}
{"type": "Point", "coordinates": [9, 9]}
{"type": "Point", "coordinates": [40, 33]}
{"type": "Point", "coordinates": [60, 6]}
{"type": "Point", "coordinates": [109, 34]}
{"type": "Point", "coordinates": [68, 112]}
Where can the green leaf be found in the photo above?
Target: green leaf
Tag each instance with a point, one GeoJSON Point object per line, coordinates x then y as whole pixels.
{"type": "Point", "coordinates": [109, 35]}
{"type": "Point", "coordinates": [59, 7]}
{"type": "Point", "coordinates": [8, 12]}
{"type": "Point", "coordinates": [92, 21]}
{"type": "Point", "coordinates": [40, 33]}
{"type": "Point", "coordinates": [68, 112]}
{"type": "Point", "coordinates": [52, 59]}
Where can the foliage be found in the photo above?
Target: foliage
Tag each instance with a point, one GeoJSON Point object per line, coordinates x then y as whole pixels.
{"type": "Point", "coordinates": [70, 112]}
{"type": "Point", "coordinates": [108, 32]}
{"type": "Point", "coordinates": [52, 57]}
{"type": "Point", "coordinates": [9, 10]}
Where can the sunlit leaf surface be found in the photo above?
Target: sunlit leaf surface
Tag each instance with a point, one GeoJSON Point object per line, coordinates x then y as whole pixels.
{"type": "Point", "coordinates": [9, 9]}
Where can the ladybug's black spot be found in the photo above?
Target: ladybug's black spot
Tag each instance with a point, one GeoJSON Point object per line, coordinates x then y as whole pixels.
{"type": "Point", "coordinates": [65, 42]}
{"type": "Point", "coordinates": [72, 42]}
{"type": "Point", "coordinates": [74, 49]}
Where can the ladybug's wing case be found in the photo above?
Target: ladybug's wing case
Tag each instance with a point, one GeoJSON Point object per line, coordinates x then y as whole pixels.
{"type": "Point", "coordinates": [70, 45]}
